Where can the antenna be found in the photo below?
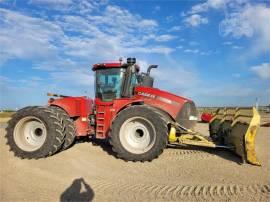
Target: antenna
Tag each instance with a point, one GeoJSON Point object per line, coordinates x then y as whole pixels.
{"type": "Point", "coordinates": [121, 60]}
{"type": "Point", "coordinates": [257, 103]}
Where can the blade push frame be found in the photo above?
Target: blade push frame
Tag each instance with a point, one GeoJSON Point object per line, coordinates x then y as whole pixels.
{"type": "Point", "coordinates": [231, 128]}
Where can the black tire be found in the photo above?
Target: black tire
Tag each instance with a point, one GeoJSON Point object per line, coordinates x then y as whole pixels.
{"type": "Point", "coordinates": [51, 121]}
{"type": "Point", "coordinates": [152, 121]}
{"type": "Point", "coordinates": [69, 127]}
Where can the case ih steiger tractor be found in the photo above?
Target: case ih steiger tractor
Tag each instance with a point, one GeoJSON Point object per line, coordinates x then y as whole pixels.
{"type": "Point", "coordinates": [138, 120]}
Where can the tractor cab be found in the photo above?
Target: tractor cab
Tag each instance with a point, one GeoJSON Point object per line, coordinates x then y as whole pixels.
{"type": "Point", "coordinates": [118, 80]}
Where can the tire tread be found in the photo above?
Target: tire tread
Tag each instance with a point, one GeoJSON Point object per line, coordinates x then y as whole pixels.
{"type": "Point", "coordinates": [55, 136]}
{"type": "Point", "coordinates": [160, 127]}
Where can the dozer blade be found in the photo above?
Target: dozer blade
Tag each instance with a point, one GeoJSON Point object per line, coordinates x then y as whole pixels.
{"type": "Point", "coordinates": [237, 128]}
{"type": "Point", "coordinates": [230, 128]}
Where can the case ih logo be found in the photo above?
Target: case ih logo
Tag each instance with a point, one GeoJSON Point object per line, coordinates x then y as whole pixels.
{"type": "Point", "coordinates": [146, 95]}
{"type": "Point", "coordinates": [162, 99]}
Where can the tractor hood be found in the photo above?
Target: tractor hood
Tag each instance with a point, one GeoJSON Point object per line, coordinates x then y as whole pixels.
{"type": "Point", "coordinates": [181, 109]}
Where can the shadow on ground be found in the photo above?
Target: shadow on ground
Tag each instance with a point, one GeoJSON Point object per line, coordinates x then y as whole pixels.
{"type": "Point", "coordinates": [223, 153]}
{"type": "Point", "coordinates": [79, 190]}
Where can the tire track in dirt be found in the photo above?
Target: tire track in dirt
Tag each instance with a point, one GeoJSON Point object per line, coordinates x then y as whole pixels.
{"type": "Point", "coordinates": [178, 154]}
{"type": "Point", "coordinates": [175, 193]}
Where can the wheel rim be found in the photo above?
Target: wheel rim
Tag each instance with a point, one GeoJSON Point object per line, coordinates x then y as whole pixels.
{"type": "Point", "coordinates": [30, 133]}
{"type": "Point", "coordinates": [137, 135]}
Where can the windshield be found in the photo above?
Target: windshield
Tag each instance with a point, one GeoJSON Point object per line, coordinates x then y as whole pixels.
{"type": "Point", "coordinates": [108, 83]}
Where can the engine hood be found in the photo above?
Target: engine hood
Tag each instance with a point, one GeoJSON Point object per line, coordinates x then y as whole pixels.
{"type": "Point", "coordinates": [181, 109]}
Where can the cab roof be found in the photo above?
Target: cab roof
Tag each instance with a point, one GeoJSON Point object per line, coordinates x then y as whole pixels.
{"type": "Point", "coordinates": [106, 65]}
{"type": "Point", "coordinates": [110, 65]}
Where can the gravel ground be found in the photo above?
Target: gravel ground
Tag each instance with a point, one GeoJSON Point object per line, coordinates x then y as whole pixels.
{"type": "Point", "coordinates": [86, 172]}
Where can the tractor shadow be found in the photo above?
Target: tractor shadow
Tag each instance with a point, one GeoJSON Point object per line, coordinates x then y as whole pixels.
{"type": "Point", "coordinates": [223, 153]}
{"type": "Point", "coordinates": [220, 152]}
{"type": "Point", "coordinates": [105, 145]}
{"type": "Point", "coordinates": [102, 143]}
{"type": "Point", "coordinates": [79, 190]}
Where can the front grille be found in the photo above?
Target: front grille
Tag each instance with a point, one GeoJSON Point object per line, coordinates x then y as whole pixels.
{"type": "Point", "coordinates": [186, 115]}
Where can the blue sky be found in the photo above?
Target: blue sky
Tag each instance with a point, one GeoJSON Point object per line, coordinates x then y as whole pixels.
{"type": "Point", "coordinates": [216, 52]}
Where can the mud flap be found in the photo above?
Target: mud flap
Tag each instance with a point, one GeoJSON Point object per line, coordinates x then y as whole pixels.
{"type": "Point", "coordinates": [237, 128]}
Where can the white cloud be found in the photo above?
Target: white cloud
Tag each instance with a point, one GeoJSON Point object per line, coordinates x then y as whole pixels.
{"type": "Point", "coordinates": [227, 43]}
{"type": "Point", "coordinates": [103, 36]}
{"type": "Point", "coordinates": [206, 53]}
{"type": "Point", "coordinates": [143, 64]}
{"type": "Point", "coordinates": [151, 49]}
{"type": "Point", "coordinates": [165, 37]}
{"type": "Point", "coordinates": [193, 43]}
{"type": "Point", "coordinates": [66, 58]}
{"type": "Point", "coordinates": [75, 6]}
{"type": "Point", "coordinates": [81, 77]}
{"type": "Point", "coordinates": [157, 8]}
{"type": "Point", "coordinates": [231, 45]}
{"type": "Point", "coordinates": [242, 19]}
{"type": "Point", "coordinates": [26, 37]}
{"type": "Point", "coordinates": [123, 19]}
{"type": "Point", "coordinates": [109, 35]}
{"type": "Point", "coordinates": [175, 28]}
{"type": "Point", "coordinates": [191, 51]}
{"type": "Point", "coordinates": [198, 8]}
{"type": "Point", "coordinates": [237, 47]}
{"type": "Point", "coordinates": [212, 4]}
{"type": "Point", "coordinates": [195, 20]}
{"type": "Point", "coordinates": [196, 51]}
{"type": "Point", "coordinates": [236, 75]}
{"type": "Point", "coordinates": [262, 71]}
{"type": "Point", "coordinates": [169, 18]}
{"type": "Point", "coordinates": [216, 4]}
{"type": "Point", "coordinates": [56, 4]}
{"type": "Point", "coordinates": [234, 90]}
{"type": "Point", "coordinates": [56, 64]}
{"type": "Point", "coordinates": [53, 2]}
{"type": "Point", "coordinates": [163, 79]}
{"type": "Point", "coordinates": [251, 22]}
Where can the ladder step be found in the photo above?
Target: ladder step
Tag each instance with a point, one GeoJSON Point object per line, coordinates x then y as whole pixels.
{"type": "Point", "coordinates": [100, 118]}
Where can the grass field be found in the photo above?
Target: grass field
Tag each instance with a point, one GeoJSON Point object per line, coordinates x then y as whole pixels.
{"type": "Point", "coordinates": [6, 114]}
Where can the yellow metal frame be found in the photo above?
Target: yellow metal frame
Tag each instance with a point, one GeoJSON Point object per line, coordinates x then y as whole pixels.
{"type": "Point", "coordinates": [191, 138]}
{"type": "Point", "coordinates": [195, 138]}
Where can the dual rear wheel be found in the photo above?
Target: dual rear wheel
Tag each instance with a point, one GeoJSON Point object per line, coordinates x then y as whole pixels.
{"type": "Point", "coordinates": [36, 132]}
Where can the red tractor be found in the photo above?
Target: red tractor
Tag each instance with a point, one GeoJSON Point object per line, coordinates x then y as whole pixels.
{"type": "Point", "coordinates": [138, 120]}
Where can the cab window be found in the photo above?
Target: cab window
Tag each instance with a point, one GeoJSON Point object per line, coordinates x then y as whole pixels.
{"type": "Point", "coordinates": [109, 83]}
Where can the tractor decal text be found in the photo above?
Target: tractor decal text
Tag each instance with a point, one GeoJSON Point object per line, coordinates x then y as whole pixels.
{"type": "Point", "coordinates": [147, 95]}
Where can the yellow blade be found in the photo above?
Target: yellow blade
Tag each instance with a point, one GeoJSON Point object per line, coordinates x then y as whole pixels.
{"type": "Point", "coordinates": [237, 128]}
{"type": "Point", "coordinates": [250, 138]}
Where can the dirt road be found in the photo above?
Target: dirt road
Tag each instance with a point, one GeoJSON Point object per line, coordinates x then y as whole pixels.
{"type": "Point", "coordinates": [86, 172]}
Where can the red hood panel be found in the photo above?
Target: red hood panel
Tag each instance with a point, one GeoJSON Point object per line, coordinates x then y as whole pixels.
{"type": "Point", "coordinates": [161, 99]}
